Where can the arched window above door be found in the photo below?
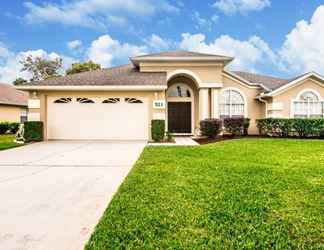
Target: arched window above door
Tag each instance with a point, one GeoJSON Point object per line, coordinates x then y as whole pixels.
{"type": "Point", "coordinates": [180, 90]}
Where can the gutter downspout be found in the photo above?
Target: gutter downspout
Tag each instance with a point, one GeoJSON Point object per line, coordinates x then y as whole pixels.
{"type": "Point", "coordinates": [266, 105]}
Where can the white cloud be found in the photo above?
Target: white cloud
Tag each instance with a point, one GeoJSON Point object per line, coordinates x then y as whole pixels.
{"type": "Point", "coordinates": [75, 44]}
{"type": "Point", "coordinates": [106, 51]}
{"type": "Point", "coordinates": [157, 43]}
{"type": "Point", "coordinates": [303, 49]}
{"type": "Point", "coordinates": [231, 7]}
{"type": "Point", "coordinates": [95, 13]}
{"type": "Point", "coordinates": [204, 23]}
{"type": "Point", "coordinates": [248, 54]}
{"type": "Point", "coordinates": [10, 67]}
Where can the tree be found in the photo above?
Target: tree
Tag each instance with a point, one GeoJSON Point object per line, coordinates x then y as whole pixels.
{"type": "Point", "coordinates": [19, 81]}
{"type": "Point", "coordinates": [41, 69]}
{"type": "Point", "coordinates": [82, 67]}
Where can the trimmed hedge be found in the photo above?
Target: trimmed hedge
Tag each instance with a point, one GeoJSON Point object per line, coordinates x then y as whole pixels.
{"type": "Point", "coordinates": [33, 131]}
{"type": "Point", "coordinates": [237, 126]}
{"type": "Point", "coordinates": [210, 127]}
{"type": "Point", "coordinates": [4, 127]}
{"type": "Point", "coordinates": [291, 127]}
{"type": "Point", "coordinates": [158, 130]}
{"type": "Point", "coordinates": [13, 127]}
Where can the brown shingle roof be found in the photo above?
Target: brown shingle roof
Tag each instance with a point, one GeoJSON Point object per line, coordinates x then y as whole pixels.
{"type": "Point", "coordinates": [269, 82]}
{"type": "Point", "coordinates": [182, 53]}
{"type": "Point", "coordinates": [10, 96]}
{"type": "Point", "coordinates": [117, 76]}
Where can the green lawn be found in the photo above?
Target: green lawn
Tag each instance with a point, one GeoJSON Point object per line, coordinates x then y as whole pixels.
{"type": "Point", "coordinates": [7, 141]}
{"type": "Point", "coordinates": [239, 194]}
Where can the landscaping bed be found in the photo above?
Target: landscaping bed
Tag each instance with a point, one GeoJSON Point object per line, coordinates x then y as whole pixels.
{"type": "Point", "coordinates": [7, 141]}
{"type": "Point", "coordinates": [239, 194]}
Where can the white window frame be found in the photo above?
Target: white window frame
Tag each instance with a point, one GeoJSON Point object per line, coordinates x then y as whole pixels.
{"type": "Point", "coordinates": [244, 101]}
{"type": "Point", "coordinates": [297, 99]}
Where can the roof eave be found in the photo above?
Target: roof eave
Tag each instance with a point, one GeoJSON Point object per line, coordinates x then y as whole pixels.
{"type": "Point", "coordinates": [225, 61]}
{"type": "Point", "coordinates": [94, 88]}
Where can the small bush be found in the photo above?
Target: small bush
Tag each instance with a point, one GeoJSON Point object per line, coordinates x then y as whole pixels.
{"type": "Point", "coordinates": [13, 127]}
{"type": "Point", "coordinates": [210, 127]}
{"type": "Point", "coordinates": [4, 127]}
{"type": "Point", "coordinates": [169, 136]}
{"type": "Point", "coordinates": [291, 127]}
{"type": "Point", "coordinates": [158, 130]}
{"type": "Point", "coordinates": [237, 126]}
{"type": "Point", "coordinates": [33, 131]}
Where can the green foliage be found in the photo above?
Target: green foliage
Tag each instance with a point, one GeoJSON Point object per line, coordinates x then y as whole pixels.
{"type": "Point", "coordinates": [19, 81]}
{"type": "Point", "coordinates": [238, 194]}
{"type": "Point", "coordinates": [158, 130]}
{"type": "Point", "coordinates": [40, 68]}
{"type": "Point", "coordinates": [210, 127]}
{"type": "Point", "coordinates": [82, 67]}
{"type": "Point", "coordinates": [7, 141]}
{"type": "Point", "coordinates": [290, 127]}
{"type": "Point", "coordinates": [169, 136]}
{"type": "Point", "coordinates": [4, 127]}
{"type": "Point", "coordinates": [33, 131]}
{"type": "Point", "coordinates": [13, 127]}
{"type": "Point", "coordinates": [237, 126]}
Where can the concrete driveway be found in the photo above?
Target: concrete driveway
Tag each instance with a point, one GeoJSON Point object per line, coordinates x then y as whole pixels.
{"type": "Point", "coordinates": [54, 193]}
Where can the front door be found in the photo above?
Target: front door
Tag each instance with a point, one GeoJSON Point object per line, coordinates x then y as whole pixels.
{"type": "Point", "coordinates": [179, 117]}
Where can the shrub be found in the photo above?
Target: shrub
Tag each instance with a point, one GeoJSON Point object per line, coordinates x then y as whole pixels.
{"type": "Point", "coordinates": [237, 126]}
{"type": "Point", "coordinates": [158, 130]}
{"type": "Point", "coordinates": [210, 127]}
{"type": "Point", "coordinates": [13, 127]}
{"type": "Point", "coordinates": [291, 127]}
{"type": "Point", "coordinates": [33, 131]}
{"type": "Point", "coordinates": [4, 127]}
{"type": "Point", "coordinates": [169, 136]}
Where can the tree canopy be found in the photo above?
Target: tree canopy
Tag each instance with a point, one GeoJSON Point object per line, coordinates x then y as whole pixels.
{"type": "Point", "coordinates": [40, 68]}
{"type": "Point", "coordinates": [19, 81]}
{"type": "Point", "coordinates": [82, 67]}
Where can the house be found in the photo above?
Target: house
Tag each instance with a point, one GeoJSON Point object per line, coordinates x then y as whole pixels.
{"type": "Point", "coordinates": [13, 104]}
{"type": "Point", "coordinates": [180, 87]}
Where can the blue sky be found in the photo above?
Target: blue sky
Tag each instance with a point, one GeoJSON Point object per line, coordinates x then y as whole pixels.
{"type": "Point", "coordinates": [281, 38]}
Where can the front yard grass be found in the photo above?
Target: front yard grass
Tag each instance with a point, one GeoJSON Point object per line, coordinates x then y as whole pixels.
{"type": "Point", "coordinates": [240, 194]}
{"type": "Point", "coordinates": [7, 141]}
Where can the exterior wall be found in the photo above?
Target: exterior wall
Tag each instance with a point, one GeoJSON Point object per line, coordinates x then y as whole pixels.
{"type": "Point", "coordinates": [255, 109]}
{"type": "Point", "coordinates": [206, 72]}
{"type": "Point", "coordinates": [42, 96]}
{"type": "Point", "coordinates": [285, 98]}
{"type": "Point", "coordinates": [10, 113]}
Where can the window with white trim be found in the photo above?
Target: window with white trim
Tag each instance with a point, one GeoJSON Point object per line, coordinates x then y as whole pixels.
{"type": "Point", "coordinates": [308, 105]}
{"type": "Point", "coordinates": [179, 90]}
{"type": "Point", "coordinates": [231, 104]}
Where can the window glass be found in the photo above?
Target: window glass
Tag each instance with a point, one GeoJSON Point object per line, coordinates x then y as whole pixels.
{"type": "Point", "coordinates": [231, 104]}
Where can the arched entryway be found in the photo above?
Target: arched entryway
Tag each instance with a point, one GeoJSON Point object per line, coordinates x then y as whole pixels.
{"type": "Point", "coordinates": [182, 105]}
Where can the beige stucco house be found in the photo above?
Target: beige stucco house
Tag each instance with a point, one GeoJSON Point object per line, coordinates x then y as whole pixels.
{"type": "Point", "coordinates": [180, 87]}
{"type": "Point", "coordinates": [13, 104]}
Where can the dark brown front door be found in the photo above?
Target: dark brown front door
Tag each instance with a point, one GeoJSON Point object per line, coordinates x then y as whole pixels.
{"type": "Point", "coordinates": [179, 117]}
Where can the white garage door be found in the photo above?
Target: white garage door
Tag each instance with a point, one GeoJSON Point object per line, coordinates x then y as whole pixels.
{"type": "Point", "coordinates": [80, 118]}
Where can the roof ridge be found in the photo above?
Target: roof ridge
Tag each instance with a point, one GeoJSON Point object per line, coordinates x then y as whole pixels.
{"type": "Point", "coordinates": [258, 74]}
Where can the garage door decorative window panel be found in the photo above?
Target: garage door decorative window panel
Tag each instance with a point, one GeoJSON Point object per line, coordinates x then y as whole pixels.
{"type": "Point", "coordinates": [111, 100]}
{"type": "Point", "coordinates": [84, 100]}
{"type": "Point", "coordinates": [63, 100]}
{"type": "Point", "coordinates": [133, 100]}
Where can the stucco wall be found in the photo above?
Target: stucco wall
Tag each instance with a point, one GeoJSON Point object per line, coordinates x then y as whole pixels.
{"type": "Point", "coordinates": [153, 113]}
{"type": "Point", "coordinates": [206, 72]}
{"type": "Point", "coordinates": [285, 98]}
{"type": "Point", "coordinates": [10, 113]}
{"type": "Point", "coordinates": [255, 108]}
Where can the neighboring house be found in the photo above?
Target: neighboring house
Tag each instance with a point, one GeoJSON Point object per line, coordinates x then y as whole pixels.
{"type": "Point", "coordinates": [13, 104]}
{"type": "Point", "coordinates": [181, 87]}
